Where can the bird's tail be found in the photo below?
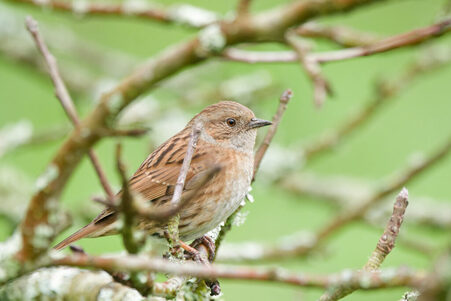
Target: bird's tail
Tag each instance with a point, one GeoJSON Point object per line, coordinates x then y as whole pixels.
{"type": "Point", "coordinates": [83, 232]}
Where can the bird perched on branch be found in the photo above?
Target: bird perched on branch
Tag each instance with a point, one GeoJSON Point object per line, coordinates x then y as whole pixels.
{"type": "Point", "coordinates": [226, 141]}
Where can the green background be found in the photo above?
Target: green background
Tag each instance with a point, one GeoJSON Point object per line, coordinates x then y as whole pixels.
{"type": "Point", "coordinates": [416, 121]}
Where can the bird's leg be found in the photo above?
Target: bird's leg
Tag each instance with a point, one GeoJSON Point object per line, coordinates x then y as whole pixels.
{"type": "Point", "coordinates": [191, 252]}
{"type": "Point", "coordinates": [207, 245]}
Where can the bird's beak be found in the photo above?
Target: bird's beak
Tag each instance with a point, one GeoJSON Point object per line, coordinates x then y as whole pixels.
{"type": "Point", "coordinates": [256, 123]}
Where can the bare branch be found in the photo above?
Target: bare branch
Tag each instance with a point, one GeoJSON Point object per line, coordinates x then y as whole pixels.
{"type": "Point", "coordinates": [341, 35]}
{"type": "Point", "coordinates": [178, 189]}
{"type": "Point", "coordinates": [414, 37]}
{"type": "Point", "coordinates": [383, 278]}
{"type": "Point", "coordinates": [175, 14]}
{"type": "Point", "coordinates": [63, 96]}
{"type": "Point", "coordinates": [243, 8]}
{"type": "Point", "coordinates": [409, 38]}
{"type": "Point", "coordinates": [283, 102]}
{"type": "Point", "coordinates": [321, 87]}
{"type": "Point", "coordinates": [384, 246]}
{"type": "Point", "coordinates": [252, 57]}
{"type": "Point", "coordinates": [126, 207]}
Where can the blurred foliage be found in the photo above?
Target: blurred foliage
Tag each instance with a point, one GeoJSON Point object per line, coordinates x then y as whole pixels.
{"type": "Point", "coordinates": [416, 121]}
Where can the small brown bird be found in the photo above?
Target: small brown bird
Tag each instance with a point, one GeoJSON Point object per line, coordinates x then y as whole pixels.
{"type": "Point", "coordinates": [227, 139]}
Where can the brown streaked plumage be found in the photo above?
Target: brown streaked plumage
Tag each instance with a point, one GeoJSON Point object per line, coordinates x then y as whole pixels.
{"type": "Point", "coordinates": [227, 138]}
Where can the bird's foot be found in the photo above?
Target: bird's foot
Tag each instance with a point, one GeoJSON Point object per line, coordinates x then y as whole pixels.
{"type": "Point", "coordinates": [203, 250]}
{"type": "Point", "coordinates": [208, 243]}
{"type": "Point", "coordinates": [190, 252]}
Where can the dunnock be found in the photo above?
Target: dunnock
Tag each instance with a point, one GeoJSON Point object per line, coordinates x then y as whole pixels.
{"type": "Point", "coordinates": [227, 139]}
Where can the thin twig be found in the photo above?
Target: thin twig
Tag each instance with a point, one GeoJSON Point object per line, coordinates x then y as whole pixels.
{"type": "Point", "coordinates": [126, 207]}
{"type": "Point", "coordinates": [63, 96]}
{"type": "Point", "coordinates": [178, 189]}
{"type": "Point", "coordinates": [243, 8]}
{"type": "Point", "coordinates": [383, 278]}
{"type": "Point", "coordinates": [409, 38]}
{"type": "Point", "coordinates": [341, 35]}
{"type": "Point", "coordinates": [173, 223]}
{"type": "Point", "coordinates": [283, 102]}
{"type": "Point", "coordinates": [164, 214]}
{"type": "Point", "coordinates": [321, 87]}
{"type": "Point", "coordinates": [384, 246]}
{"type": "Point", "coordinates": [101, 9]}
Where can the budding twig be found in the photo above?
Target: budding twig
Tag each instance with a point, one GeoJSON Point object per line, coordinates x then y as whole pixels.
{"type": "Point", "coordinates": [384, 246]}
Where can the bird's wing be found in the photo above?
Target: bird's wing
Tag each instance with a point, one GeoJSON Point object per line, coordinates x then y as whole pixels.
{"type": "Point", "coordinates": [154, 181]}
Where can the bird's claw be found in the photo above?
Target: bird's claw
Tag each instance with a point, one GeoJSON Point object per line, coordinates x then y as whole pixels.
{"type": "Point", "coordinates": [207, 242]}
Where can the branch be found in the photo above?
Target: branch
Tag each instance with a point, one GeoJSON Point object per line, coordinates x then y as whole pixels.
{"type": "Point", "coordinates": [243, 8]}
{"type": "Point", "coordinates": [63, 96]}
{"type": "Point", "coordinates": [67, 283]}
{"type": "Point", "coordinates": [321, 87]}
{"type": "Point", "coordinates": [384, 246]}
{"type": "Point", "coordinates": [182, 14]}
{"type": "Point", "coordinates": [379, 279]}
{"type": "Point", "coordinates": [341, 35]}
{"type": "Point", "coordinates": [414, 37]}
{"type": "Point", "coordinates": [173, 224]}
{"type": "Point", "coordinates": [283, 102]}
{"type": "Point", "coordinates": [164, 214]}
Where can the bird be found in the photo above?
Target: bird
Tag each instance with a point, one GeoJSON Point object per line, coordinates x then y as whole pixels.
{"type": "Point", "coordinates": [226, 140]}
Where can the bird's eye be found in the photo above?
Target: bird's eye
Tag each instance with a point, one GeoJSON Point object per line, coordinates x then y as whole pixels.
{"type": "Point", "coordinates": [231, 122]}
